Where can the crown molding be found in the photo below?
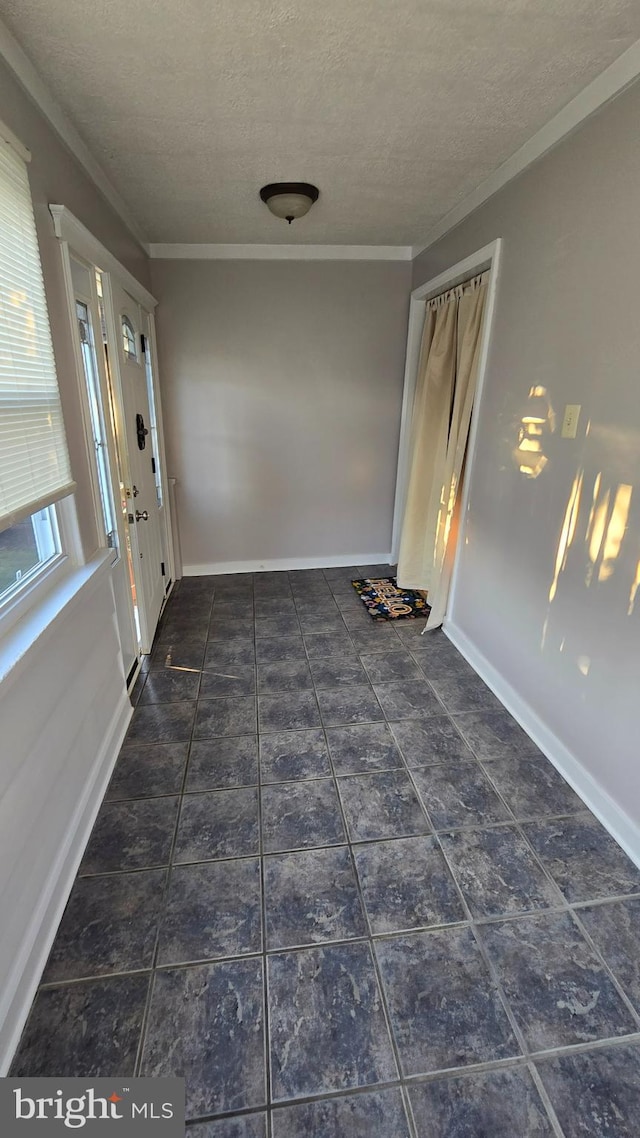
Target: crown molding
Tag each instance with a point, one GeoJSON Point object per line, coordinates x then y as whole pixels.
{"type": "Point", "coordinates": [612, 82]}
{"type": "Point", "coordinates": [21, 66]}
{"type": "Point", "coordinates": [195, 252]}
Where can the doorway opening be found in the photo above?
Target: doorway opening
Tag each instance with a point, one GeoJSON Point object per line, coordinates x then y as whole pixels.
{"type": "Point", "coordinates": [122, 418]}
{"type": "Point", "coordinates": [450, 321]}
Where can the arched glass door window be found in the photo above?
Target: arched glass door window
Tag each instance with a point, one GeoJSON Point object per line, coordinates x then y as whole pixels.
{"type": "Point", "coordinates": [128, 339]}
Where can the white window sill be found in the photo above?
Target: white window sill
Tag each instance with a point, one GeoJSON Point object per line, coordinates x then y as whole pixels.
{"type": "Point", "coordinates": [33, 629]}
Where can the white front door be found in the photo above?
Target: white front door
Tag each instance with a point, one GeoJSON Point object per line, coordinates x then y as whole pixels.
{"type": "Point", "coordinates": [145, 516]}
{"type": "Point", "coordinates": [108, 482]}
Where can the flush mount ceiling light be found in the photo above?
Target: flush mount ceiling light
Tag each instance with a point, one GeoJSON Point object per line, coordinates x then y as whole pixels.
{"type": "Point", "coordinates": [289, 200]}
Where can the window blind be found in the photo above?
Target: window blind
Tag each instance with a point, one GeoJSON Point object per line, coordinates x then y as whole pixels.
{"type": "Point", "coordinates": [34, 461]}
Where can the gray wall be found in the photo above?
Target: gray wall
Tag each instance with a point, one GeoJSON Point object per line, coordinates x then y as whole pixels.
{"type": "Point", "coordinates": [282, 385]}
{"type": "Point", "coordinates": [56, 176]}
{"type": "Point", "coordinates": [567, 318]}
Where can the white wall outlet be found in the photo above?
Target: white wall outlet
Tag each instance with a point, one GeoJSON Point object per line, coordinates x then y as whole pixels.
{"type": "Point", "coordinates": [570, 421]}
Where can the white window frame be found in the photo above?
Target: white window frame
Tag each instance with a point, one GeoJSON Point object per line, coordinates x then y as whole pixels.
{"type": "Point", "coordinates": [42, 580]}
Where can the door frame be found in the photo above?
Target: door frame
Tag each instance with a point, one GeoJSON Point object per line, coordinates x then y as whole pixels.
{"type": "Point", "coordinates": [172, 573]}
{"type": "Point", "coordinates": [488, 257]}
{"type": "Point", "coordinates": [75, 238]}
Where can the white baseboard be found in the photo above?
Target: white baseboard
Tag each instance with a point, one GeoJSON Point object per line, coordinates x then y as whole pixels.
{"type": "Point", "coordinates": [30, 961]}
{"type": "Point", "coordinates": [621, 827]}
{"type": "Point", "coordinates": [213, 568]}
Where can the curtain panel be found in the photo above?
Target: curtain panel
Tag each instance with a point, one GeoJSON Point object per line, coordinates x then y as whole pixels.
{"type": "Point", "coordinates": [441, 417]}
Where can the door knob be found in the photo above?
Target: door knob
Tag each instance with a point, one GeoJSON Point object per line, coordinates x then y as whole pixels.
{"type": "Point", "coordinates": [142, 516]}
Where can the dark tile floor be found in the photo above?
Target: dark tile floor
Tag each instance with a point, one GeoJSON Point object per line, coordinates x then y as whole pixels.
{"type": "Point", "coordinates": [336, 886]}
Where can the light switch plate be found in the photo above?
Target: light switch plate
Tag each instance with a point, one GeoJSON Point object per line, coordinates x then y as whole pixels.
{"type": "Point", "coordinates": [570, 420]}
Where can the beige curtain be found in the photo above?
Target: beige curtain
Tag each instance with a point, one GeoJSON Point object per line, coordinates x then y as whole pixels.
{"type": "Point", "coordinates": [441, 416]}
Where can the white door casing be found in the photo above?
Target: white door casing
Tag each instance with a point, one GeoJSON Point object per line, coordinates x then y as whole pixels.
{"type": "Point", "coordinates": [128, 379]}
{"type": "Point", "coordinates": [156, 429]}
{"type": "Point", "coordinates": [148, 520]}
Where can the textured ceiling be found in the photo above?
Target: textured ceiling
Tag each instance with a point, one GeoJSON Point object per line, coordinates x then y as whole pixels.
{"type": "Point", "coordinates": [396, 109]}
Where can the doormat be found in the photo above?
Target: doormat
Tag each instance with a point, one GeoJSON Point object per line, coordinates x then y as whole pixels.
{"type": "Point", "coordinates": [385, 601]}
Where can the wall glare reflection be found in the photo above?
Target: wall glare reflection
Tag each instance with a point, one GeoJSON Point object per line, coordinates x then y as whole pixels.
{"type": "Point", "coordinates": [635, 585]}
{"type": "Point", "coordinates": [545, 629]}
{"type": "Point", "coordinates": [600, 540]}
{"type": "Point", "coordinates": [538, 418]}
{"type": "Point", "coordinates": [595, 533]}
{"type": "Point", "coordinates": [606, 529]}
{"type": "Point", "coordinates": [567, 532]}
{"type": "Point", "coordinates": [615, 531]}
{"type": "Point", "coordinates": [594, 499]}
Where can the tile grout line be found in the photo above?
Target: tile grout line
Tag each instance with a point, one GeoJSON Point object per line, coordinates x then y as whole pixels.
{"type": "Point", "coordinates": [369, 941]}
{"type": "Point", "coordinates": [608, 969]}
{"type": "Point", "coordinates": [448, 1074]}
{"type": "Point", "coordinates": [536, 1078]}
{"type": "Point", "coordinates": [337, 941]}
{"type": "Point", "coordinates": [302, 1100]}
{"type": "Point", "coordinates": [515, 1027]}
{"type": "Point", "coordinates": [308, 658]}
{"type": "Point", "coordinates": [263, 911]}
{"type": "Point", "coordinates": [411, 1123]}
{"type": "Point", "coordinates": [152, 978]}
{"type": "Point", "coordinates": [258, 955]}
{"type": "Point", "coordinates": [408, 1110]}
{"type": "Point", "coordinates": [367, 921]}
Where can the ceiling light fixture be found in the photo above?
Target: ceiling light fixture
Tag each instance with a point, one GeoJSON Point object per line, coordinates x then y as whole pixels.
{"type": "Point", "coordinates": [289, 200]}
